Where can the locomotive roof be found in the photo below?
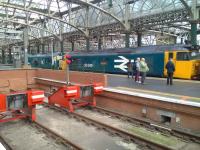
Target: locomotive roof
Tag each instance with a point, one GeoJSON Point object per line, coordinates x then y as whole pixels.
{"type": "Point", "coordinates": [137, 50]}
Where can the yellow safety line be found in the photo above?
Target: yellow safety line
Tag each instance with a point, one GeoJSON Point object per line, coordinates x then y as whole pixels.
{"type": "Point", "coordinates": [154, 78]}
{"type": "Point", "coordinates": [183, 97]}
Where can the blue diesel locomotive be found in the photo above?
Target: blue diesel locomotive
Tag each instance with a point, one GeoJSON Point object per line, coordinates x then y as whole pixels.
{"type": "Point", "coordinates": [115, 60]}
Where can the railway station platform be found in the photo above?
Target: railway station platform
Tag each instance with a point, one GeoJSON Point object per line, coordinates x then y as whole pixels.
{"type": "Point", "coordinates": [182, 89]}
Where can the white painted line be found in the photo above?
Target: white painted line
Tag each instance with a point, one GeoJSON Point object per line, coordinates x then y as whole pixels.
{"type": "Point", "coordinates": [71, 91]}
{"type": "Point", "coordinates": [2, 147]}
{"type": "Point", "coordinates": [38, 96]}
{"type": "Point", "coordinates": [160, 98]}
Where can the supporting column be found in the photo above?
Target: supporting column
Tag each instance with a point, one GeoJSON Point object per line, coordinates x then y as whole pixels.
{"type": "Point", "coordinates": [62, 47]}
{"type": "Point", "coordinates": [53, 45]}
{"type": "Point", "coordinates": [127, 40]}
{"type": "Point", "coordinates": [72, 45]}
{"type": "Point", "coordinates": [181, 40]}
{"type": "Point", "coordinates": [110, 3]}
{"type": "Point", "coordinates": [10, 55]}
{"type": "Point", "coordinates": [194, 23]}
{"type": "Point", "coordinates": [139, 39]}
{"type": "Point", "coordinates": [25, 46]}
{"type": "Point", "coordinates": [43, 48]}
{"type": "Point", "coordinates": [3, 56]}
{"type": "Point", "coordinates": [194, 33]}
{"type": "Point", "coordinates": [87, 44]}
{"type": "Point", "coordinates": [29, 49]}
{"type": "Point", "coordinates": [99, 43]}
{"type": "Point", "coordinates": [38, 48]}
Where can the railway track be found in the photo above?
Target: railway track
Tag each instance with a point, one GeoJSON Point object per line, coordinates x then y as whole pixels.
{"type": "Point", "coordinates": [57, 137]}
{"type": "Point", "coordinates": [129, 137]}
{"type": "Point", "coordinates": [150, 126]}
{"type": "Point", "coordinates": [49, 133]}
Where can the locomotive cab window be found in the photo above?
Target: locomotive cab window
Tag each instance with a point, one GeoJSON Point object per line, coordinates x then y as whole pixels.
{"type": "Point", "coordinates": [170, 55]}
{"type": "Point", "coordinates": [183, 56]}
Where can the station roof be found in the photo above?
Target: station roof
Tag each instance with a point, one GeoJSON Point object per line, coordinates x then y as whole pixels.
{"type": "Point", "coordinates": [87, 18]}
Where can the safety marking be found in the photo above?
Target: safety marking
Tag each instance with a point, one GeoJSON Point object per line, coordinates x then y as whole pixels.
{"type": "Point", "coordinates": [98, 87]}
{"type": "Point", "coordinates": [161, 79]}
{"type": "Point", "coordinates": [2, 147]}
{"type": "Point", "coordinates": [71, 91]}
{"type": "Point", "coordinates": [38, 96]}
{"type": "Point", "coordinates": [183, 97]}
{"type": "Point", "coordinates": [155, 97]}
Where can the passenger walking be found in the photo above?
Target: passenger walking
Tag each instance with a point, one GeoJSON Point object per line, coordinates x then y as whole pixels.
{"type": "Point", "coordinates": [143, 69]}
{"type": "Point", "coordinates": [170, 71]}
{"type": "Point", "coordinates": [136, 68]}
{"type": "Point", "coordinates": [130, 70]}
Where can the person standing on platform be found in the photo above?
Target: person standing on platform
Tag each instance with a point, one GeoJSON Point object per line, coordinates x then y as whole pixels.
{"type": "Point", "coordinates": [136, 69]}
{"type": "Point", "coordinates": [143, 69]}
{"type": "Point", "coordinates": [130, 66]}
{"type": "Point", "coordinates": [170, 71]}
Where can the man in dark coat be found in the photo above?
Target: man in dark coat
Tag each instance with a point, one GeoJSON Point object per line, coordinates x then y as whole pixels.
{"type": "Point", "coordinates": [170, 71]}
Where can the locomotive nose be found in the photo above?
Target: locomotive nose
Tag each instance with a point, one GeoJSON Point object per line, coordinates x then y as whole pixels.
{"type": "Point", "coordinates": [196, 70]}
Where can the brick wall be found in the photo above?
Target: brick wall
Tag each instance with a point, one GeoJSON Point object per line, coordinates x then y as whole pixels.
{"type": "Point", "coordinates": [75, 77]}
{"type": "Point", "coordinates": [16, 79]}
{"type": "Point", "coordinates": [182, 116]}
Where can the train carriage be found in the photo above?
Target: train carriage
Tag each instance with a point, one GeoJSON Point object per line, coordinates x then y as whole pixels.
{"type": "Point", "coordinates": [115, 61]}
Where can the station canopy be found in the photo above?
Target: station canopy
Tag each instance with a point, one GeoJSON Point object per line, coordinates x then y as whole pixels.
{"type": "Point", "coordinates": [84, 18]}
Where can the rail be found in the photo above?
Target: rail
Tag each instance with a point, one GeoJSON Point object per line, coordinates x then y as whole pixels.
{"type": "Point", "coordinates": [142, 142]}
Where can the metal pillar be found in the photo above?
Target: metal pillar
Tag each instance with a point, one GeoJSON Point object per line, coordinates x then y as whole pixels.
{"type": "Point", "coordinates": [3, 56]}
{"type": "Point", "coordinates": [10, 55]}
{"type": "Point", "coordinates": [53, 45]}
{"type": "Point", "coordinates": [110, 4]}
{"type": "Point", "coordinates": [29, 49]}
{"type": "Point", "coordinates": [61, 37]}
{"type": "Point", "coordinates": [194, 33]}
{"type": "Point", "coordinates": [62, 47]}
{"type": "Point", "coordinates": [72, 45]}
{"type": "Point", "coordinates": [181, 40]}
{"type": "Point", "coordinates": [26, 46]}
{"type": "Point", "coordinates": [87, 44]}
{"type": "Point", "coordinates": [38, 48]}
{"type": "Point", "coordinates": [99, 43]}
{"type": "Point", "coordinates": [194, 23]}
{"type": "Point", "coordinates": [127, 40]}
{"type": "Point", "coordinates": [139, 39]}
{"type": "Point", "coordinates": [43, 48]}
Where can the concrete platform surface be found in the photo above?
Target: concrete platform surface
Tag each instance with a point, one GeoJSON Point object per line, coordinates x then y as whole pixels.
{"type": "Point", "coordinates": [182, 89]}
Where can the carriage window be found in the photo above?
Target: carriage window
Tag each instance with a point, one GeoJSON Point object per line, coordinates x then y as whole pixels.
{"type": "Point", "coordinates": [170, 55]}
{"type": "Point", "coordinates": [182, 56]}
